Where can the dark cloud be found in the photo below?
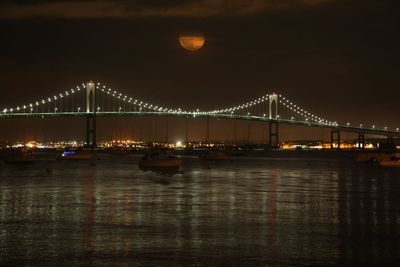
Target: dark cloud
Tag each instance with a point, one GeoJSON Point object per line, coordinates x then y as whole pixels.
{"type": "Point", "coordinates": [137, 9]}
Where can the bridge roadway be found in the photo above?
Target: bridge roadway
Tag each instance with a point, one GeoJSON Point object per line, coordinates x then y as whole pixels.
{"type": "Point", "coordinates": [340, 128]}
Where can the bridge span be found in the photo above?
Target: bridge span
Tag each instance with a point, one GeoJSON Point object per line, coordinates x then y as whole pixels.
{"type": "Point", "coordinates": [91, 100]}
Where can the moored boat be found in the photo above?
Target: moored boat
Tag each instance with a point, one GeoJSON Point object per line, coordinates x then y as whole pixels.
{"type": "Point", "coordinates": [20, 157]}
{"type": "Point", "coordinates": [160, 160]}
{"type": "Point", "coordinates": [215, 155]}
{"type": "Point", "coordinates": [393, 162]}
{"type": "Point", "coordinates": [76, 155]}
{"type": "Point", "coordinates": [119, 152]}
{"type": "Point", "coordinates": [375, 157]}
{"type": "Point", "coordinates": [390, 163]}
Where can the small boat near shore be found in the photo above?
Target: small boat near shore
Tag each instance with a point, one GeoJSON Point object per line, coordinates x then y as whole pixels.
{"type": "Point", "coordinates": [390, 163]}
{"type": "Point", "coordinates": [77, 155]}
{"type": "Point", "coordinates": [393, 162]}
{"type": "Point", "coordinates": [215, 155]}
{"type": "Point", "coordinates": [160, 160]}
{"type": "Point", "coordinates": [117, 151]}
{"type": "Point", "coordinates": [19, 157]}
{"type": "Point", "coordinates": [375, 157]}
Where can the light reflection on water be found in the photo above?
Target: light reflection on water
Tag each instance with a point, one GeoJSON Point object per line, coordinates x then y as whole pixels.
{"type": "Point", "coordinates": [255, 212]}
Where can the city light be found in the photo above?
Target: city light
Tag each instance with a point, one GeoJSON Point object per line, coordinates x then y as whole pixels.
{"type": "Point", "coordinates": [179, 144]}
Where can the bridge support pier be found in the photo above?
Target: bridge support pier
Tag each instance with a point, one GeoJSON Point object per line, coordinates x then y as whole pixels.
{"type": "Point", "coordinates": [337, 132]}
{"type": "Point", "coordinates": [208, 131]}
{"type": "Point", "coordinates": [166, 130]}
{"type": "Point", "coordinates": [361, 141]}
{"type": "Point", "coordinates": [273, 133]}
{"type": "Point", "coordinates": [91, 131]}
{"type": "Point", "coordinates": [187, 132]}
{"type": "Point", "coordinates": [390, 140]}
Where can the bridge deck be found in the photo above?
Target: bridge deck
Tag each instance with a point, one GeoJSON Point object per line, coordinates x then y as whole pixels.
{"type": "Point", "coordinates": [342, 128]}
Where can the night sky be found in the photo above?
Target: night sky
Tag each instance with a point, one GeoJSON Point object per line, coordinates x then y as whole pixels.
{"type": "Point", "coordinates": [338, 58]}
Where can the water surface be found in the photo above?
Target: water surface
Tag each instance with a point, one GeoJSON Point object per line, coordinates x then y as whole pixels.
{"type": "Point", "coordinates": [279, 212]}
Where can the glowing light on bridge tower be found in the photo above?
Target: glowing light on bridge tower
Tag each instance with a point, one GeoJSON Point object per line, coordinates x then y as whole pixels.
{"type": "Point", "coordinates": [273, 98]}
{"type": "Point", "coordinates": [90, 96]}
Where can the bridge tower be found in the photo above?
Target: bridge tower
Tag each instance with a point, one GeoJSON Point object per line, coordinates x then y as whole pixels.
{"type": "Point", "coordinates": [91, 115]}
{"type": "Point", "coordinates": [273, 123]}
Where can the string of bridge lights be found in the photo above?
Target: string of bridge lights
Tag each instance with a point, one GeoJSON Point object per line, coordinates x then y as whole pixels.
{"type": "Point", "coordinates": [242, 106]}
{"type": "Point", "coordinates": [125, 98]}
{"type": "Point", "coordinates": [141, 104]}
{"type": "Point", "coordinates": [137, 102]}
{"type": "Point", "coordinates": [304, 113]}
{"type": "Point", "coordinates": [46, 100]}
{"type": "Point", "coordinates": [281, 99]}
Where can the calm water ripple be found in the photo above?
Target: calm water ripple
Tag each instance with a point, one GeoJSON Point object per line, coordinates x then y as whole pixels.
{"type": "Point", "coordinates": [247, 212]}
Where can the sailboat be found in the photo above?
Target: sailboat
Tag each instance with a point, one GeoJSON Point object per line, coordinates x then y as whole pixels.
{"type": "Point", "coordinates": [21, 156]}
{"type": "Point", "coordinates": [76, 154]}
{"type": "Point", "coordinates": [215, 155]}
{"type": "Point", "coordinates": [392, 162]}
{"type": "Point", "coordinates": [160, 159]}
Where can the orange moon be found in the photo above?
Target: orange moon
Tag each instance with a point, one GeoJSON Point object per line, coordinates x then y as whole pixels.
{"type": "Point", "coordinates": [192, 42]}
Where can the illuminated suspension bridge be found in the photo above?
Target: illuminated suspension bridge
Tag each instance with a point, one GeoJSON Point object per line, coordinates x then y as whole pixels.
{"type": "Point", "coordinates": [93, 100]}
